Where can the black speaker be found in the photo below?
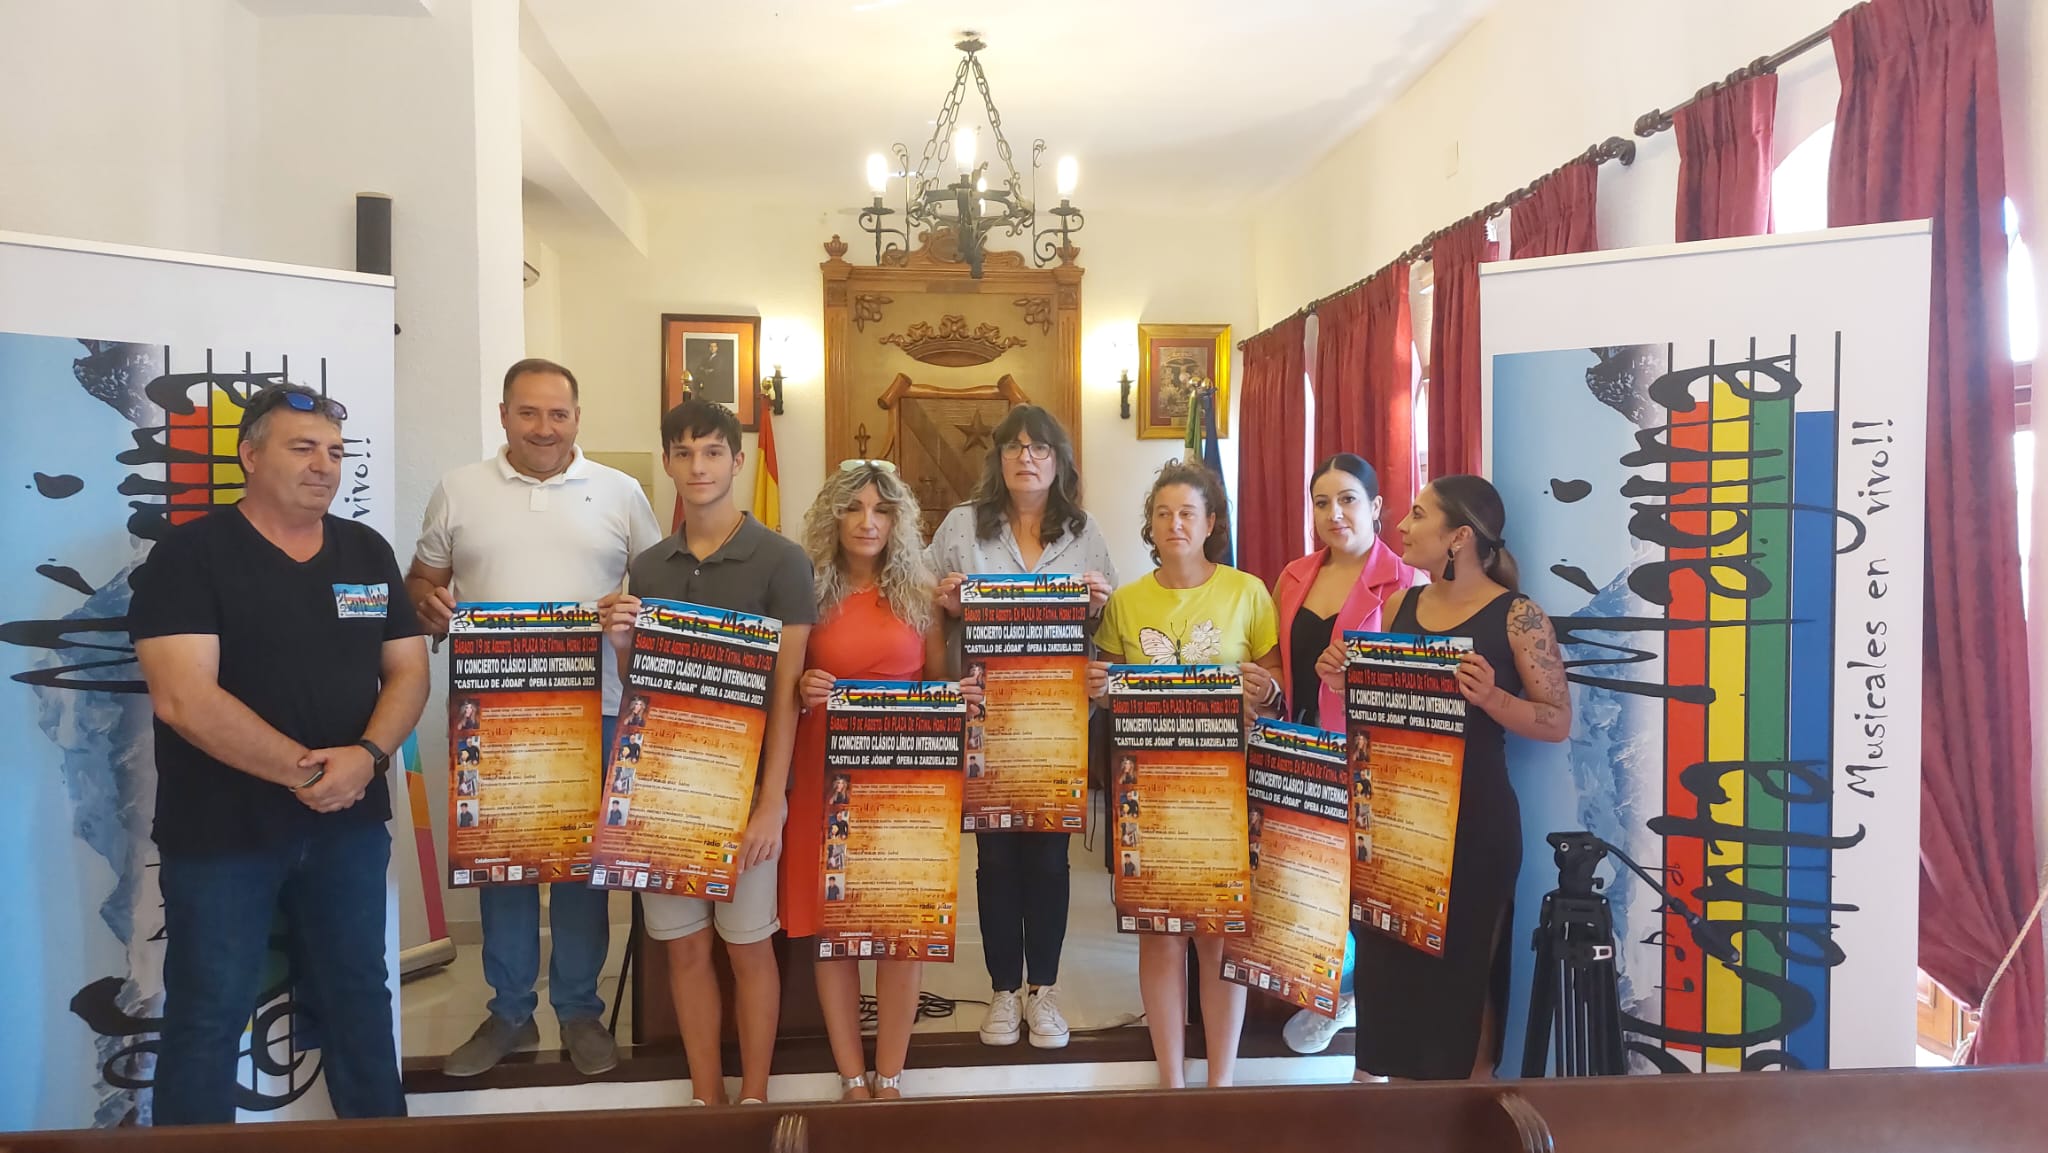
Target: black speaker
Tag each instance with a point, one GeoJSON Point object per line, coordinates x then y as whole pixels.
{"type": "Point", "coordinates": [373, 233]}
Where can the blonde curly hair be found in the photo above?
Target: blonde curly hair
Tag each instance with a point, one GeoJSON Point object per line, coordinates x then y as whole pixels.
{"type": "Point", "coordinates": [906, 582]}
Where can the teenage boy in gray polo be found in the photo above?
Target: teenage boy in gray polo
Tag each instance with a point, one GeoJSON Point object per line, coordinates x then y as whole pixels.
{"type": "Point", "coordinates": [723, 558]}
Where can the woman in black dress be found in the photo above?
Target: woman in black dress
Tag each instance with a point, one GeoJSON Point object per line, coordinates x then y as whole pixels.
{"type": "Point", "coordinates": [1439, 1018]}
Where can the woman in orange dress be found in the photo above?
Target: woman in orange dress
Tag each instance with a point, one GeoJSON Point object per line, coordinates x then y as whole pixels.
{"type": "Point", "coordinates": [876, 622]}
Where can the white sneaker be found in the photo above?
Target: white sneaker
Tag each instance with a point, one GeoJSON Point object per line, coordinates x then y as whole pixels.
{"type": "Point", "coordinates": [1001, 1026]}
{"type": "Point", "coordinates": [1048, 1027]}
{"type": "Point", "coordinates": [1307, 1032]}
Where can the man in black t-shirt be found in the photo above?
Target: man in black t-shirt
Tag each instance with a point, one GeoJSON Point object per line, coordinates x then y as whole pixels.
{"type": "Point", "coordinates": [283, 660]}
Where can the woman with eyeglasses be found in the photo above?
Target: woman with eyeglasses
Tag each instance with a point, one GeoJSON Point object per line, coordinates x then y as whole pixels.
{"type": "Point", "coordinates": [1025, 517]}
{"type": "Point", "coordinates": [877, 620]}
{"type": "Point", "coordinates": [1341, 587]}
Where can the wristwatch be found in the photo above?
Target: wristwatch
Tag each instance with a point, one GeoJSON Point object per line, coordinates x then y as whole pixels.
{"type": "Point", "coordinates": [379, 759]}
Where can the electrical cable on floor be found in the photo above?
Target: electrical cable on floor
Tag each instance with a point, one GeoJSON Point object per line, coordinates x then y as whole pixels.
{"type": "Point", "coordinates": [932, 1007]}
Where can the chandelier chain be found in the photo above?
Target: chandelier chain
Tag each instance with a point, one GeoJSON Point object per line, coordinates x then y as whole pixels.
{"type": "Point", "coordinates": [995, 122]}
{"type": "Point", "coordinates": [940, 145]}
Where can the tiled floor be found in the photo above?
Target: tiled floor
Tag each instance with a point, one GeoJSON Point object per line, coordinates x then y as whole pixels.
{"type": "Point", "coordinates": [1098, 973]}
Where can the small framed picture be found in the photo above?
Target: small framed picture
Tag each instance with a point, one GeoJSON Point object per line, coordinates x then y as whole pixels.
{"type": "Point", "coordinates": [1173, 361]}
{"type": "Point", "coordinates": [715, 357]}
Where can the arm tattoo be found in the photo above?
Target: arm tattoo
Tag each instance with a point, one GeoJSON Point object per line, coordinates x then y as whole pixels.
{"type": "Point", "coordinates": [1530, 633]}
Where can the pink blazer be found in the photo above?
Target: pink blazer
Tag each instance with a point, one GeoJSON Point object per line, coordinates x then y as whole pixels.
{"type": "Point", "coordinates": [1383, 574]}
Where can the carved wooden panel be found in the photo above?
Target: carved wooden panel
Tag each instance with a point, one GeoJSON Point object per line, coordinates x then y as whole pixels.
{"type": "Point", "coordinates": [924, 319]}
{"type": "Point", "coordinates": [940, 437]}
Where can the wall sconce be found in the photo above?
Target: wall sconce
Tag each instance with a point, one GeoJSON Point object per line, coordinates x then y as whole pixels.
{"type": "Point", "coordinates": [775, 347]}
{"type": "Point", "coordinates": [1123, 350]}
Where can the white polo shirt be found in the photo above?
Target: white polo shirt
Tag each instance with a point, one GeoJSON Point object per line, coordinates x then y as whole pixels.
{"type": "Point", "coordinates": [509, 537]}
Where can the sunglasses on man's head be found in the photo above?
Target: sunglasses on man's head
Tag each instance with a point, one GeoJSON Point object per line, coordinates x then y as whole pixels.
{"type": "Point", "coordinates": [271, 398]}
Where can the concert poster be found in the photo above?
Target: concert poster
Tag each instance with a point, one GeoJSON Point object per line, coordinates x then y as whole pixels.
{"type": "Point", "coordinates": [691, 721]}
{"type": "Point", "coordinates": [1178, 767]}
{"type": "Point", "coordinates": [1301, 876]}
{"type": "Point", "coordinates": [1405, 721]}
{"type": "Point", "coordinates": [525, 741]}
{"type": "Point", "coordinates": [1027, 747]}
{"type": "Point", "coordinates": [890, 875]}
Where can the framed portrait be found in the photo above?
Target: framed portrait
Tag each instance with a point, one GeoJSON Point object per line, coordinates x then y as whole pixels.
{"type": "Point", "coordinates": [718, 356]}
{"type": "Point", "coordinates": [1174, 360]}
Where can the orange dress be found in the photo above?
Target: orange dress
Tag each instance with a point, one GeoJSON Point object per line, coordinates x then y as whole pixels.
{"type": "Point", "coordinates": [862, 640]}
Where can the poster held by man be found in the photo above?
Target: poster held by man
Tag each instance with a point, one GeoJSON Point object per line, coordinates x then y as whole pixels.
{"type": "Point", "coordinates": [688, 750]}
{"type": "Point", "coordinates": [525, 733]}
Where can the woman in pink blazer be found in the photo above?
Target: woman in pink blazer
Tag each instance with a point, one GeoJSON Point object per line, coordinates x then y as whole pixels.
{"type": "Point", "coordinates": [1338, 588]}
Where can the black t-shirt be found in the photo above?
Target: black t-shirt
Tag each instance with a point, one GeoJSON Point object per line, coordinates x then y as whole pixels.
{"type": "Point", "coordinates": [301, 644]}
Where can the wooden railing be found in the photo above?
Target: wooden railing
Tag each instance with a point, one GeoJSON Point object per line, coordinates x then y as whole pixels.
{"type": "Point", "coordinates": [1890, 1111]}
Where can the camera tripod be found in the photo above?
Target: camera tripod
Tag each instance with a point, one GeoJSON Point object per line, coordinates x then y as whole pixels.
{"type": "Point", "coordinates": [1574, 1025]}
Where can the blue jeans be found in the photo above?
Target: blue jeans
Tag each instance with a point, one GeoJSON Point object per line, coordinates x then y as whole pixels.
{"type": "Point", "coordinates": [218, 913]}
{"type": "Point", "coordinates": [579, 918]}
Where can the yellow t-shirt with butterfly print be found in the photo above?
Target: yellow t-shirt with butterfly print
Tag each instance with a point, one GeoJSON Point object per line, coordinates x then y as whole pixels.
{"type": "Point", "coordinates": [1227, 620]}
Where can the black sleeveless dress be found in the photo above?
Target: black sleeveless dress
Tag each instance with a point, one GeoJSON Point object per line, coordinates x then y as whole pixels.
{"type": "Point", "coordinates": [1419, 1017]}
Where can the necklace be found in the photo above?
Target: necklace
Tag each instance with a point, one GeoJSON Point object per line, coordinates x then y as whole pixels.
{"type": "Point", "coordinates": [736, 526]}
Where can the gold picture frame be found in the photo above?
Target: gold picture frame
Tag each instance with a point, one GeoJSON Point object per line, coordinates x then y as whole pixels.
{"type": "Point", "coordinates": [1172, 360]}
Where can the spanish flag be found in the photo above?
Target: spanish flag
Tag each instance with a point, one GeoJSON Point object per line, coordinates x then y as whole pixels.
{"type": "Point", "coordinates": [767, 476]}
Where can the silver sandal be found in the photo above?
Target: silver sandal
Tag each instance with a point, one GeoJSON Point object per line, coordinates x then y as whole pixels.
{"type": "Point", "coordinates": [877, 1082]}
{"type": "Point", "coordinates": [849, 1084]}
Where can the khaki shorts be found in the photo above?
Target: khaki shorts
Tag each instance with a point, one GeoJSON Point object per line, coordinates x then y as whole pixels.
{"type": "Point", "coordinates": [747, 918]}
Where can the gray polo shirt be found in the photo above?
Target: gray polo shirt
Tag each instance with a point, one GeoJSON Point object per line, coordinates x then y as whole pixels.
{"type": "Point", "coordinates": [757, 571]}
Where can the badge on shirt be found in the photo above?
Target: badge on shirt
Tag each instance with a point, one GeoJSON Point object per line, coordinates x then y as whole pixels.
{"type": "Point", "coordinates": [361, 602]}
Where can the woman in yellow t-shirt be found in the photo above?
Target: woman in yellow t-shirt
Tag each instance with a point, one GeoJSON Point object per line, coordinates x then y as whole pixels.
{"type": "Point", "coordinates": [1191, 610]}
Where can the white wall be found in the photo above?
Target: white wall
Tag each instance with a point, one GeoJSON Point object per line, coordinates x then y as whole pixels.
{"type": "Point", "coordinates": [713, 253]}
{"type": "Point", "coordinates": [1527, 89]}
{"type": "Point", "coordinates": [131, 138]}
{"type": "Point", "coordinates": [202, 126]}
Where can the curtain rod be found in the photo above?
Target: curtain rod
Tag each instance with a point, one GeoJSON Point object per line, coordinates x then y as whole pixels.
{"type": "Point", "coordinates": [1613, 148]}
{"type": "Point", "coordinates": [1660, 119]}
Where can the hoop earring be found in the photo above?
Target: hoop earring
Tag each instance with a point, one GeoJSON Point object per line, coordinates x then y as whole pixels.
{"type": "Point", "coordinates": [1451, 567]}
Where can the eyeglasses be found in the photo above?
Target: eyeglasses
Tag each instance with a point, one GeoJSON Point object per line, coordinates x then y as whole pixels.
{"type": "Point", "coordinates": [1014, 449]}
{"type": "Point", "coordinates": [269, 399]}
{"type": "Point", "coordinates": [860, 463]}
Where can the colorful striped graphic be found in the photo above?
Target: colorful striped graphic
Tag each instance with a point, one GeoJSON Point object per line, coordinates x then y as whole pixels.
{"type": "Point", "coordinates": [1762, 478]}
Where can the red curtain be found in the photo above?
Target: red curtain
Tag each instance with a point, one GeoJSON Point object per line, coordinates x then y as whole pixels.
{"type": "Point", "coordinates": [1273, 414]}
{"type": "Point", "coordinates": [1724, 161]}
{"type": "Point", "coordinates": [1917, 136]}
{"type": "Point", "coordinates": [1454, 433]}
{"type": "Point", "coordinates": [1559, 215]}
{"type": "Point", "coordinates": [1365, 383]}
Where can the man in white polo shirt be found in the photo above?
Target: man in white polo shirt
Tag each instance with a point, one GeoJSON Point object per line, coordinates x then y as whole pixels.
{"type": "Point", "coordinates": [537, 522]}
